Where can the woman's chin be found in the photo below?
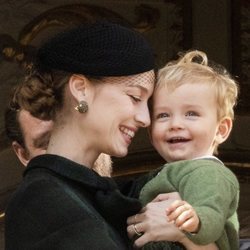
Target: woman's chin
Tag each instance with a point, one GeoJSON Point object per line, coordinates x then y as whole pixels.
{"type": "Point", "coordinates": [121, 153]}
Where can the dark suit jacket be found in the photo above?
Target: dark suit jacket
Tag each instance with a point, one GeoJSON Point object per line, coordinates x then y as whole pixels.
{"type": "Point", "coordinates": [64, 205]}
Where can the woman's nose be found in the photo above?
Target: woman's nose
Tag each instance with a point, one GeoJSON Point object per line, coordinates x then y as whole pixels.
{"type": "Point", "coordinates": [143, 117]}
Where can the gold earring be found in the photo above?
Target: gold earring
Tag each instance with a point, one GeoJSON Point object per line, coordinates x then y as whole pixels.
{"type": "Point", "coordinates": [82, 107]}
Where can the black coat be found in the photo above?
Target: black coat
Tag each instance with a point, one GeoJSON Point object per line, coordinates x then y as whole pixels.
{"type": "Point", "coordinates": [64, 205]}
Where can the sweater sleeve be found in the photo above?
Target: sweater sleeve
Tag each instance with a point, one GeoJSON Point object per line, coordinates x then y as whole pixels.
{"type": "Point", "coordinates": [212, 190]}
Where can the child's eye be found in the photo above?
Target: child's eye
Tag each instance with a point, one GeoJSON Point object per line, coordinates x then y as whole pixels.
{"type": "Point", "coordinates": [192, 113]}
{"type": "Point", "coordinates": [162, 115]}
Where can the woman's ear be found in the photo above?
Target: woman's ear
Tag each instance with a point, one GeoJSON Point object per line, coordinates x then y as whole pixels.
{"type": "Point", "coordinates": [224, 129]}
{"type": "Point", "coordinates": [21, 153]}
{"type": "Point", "coordinates": [78, 85]}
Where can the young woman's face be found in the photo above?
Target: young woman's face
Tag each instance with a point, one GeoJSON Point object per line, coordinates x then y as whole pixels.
{"type": "Point", "coordinates": [184, 122]}
{"type": "Point", "coordinates": [118, 109]}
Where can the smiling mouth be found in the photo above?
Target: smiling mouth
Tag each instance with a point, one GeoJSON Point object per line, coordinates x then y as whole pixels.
{"type": "Point", "coordinates": [128, 132]}
{"type": "Point", "coordinates": [177, 140]}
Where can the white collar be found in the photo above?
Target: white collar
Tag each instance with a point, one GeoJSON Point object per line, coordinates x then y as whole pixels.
{"type": "Point", "coordinates": [212, 157]}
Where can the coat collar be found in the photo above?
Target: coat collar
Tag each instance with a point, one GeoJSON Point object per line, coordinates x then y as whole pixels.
{"type": "Point", "coordinates": [71, 170]}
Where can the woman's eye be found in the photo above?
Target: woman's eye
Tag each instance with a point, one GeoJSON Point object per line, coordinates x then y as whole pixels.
{"type": "Point", "coordinates": [135, 98]}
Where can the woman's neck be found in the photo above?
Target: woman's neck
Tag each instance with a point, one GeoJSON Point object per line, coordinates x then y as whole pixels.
{"type": "Point", "coordinates": [66, 141]}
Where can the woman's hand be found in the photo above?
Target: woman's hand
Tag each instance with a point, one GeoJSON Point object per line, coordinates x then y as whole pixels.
{"type": "Point", "coordinates": [171, 197]}
{"type": "Point", "coordinates": [151, 224]}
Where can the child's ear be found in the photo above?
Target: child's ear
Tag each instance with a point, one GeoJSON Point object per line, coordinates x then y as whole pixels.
{"type": "Point", "coordinates": [224, 129]}
{"type": "Point", "coordinates": [21, 153]}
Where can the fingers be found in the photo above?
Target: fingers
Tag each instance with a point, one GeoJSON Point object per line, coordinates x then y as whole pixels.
{"type": "Point", "coordinates": [183, 215]}
{"type": "Point", "coordinates": [187, 225]}
{"type": "Point", "coordinates": [134, 227]}
{"type": "Point", "coordinates": [175, 209]}
{"type": "Point", "coordinates": [191, 223]}
{"type": "Point", "coordinates": [161, 197]}
{"type": "Point", "coordinates": [167, 196]}
{"type": "Point", "coordinates": [141, 241]}
{"type": "Point", "coordinates": [182, 218]}
{"type": "Point", "coordinates": [153, 224]}
{"type": "Point", "coordinates": [135, 230]}
{"type": "Point", "coordinates": [134, 219]}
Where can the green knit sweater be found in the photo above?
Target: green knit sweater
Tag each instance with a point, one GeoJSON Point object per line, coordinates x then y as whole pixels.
{"type": "Point", "coordinates": [212, 189]}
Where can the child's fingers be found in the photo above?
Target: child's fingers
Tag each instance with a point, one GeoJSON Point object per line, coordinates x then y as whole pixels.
{"type": "Point", "coordinates": [172, 216]}
{"type": "Point", "coordinates": [191, 225]}
{"type": "Point", "coordinates": [183, 217]}
{"type": "Point", "coordinates": [188, 225]}
{"type": "Point", "coordinates": [173, 206]}
{"type": "Point", "coordinates": [188, 221]}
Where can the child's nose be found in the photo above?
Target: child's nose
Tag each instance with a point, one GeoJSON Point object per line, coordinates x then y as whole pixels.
{"type": "Point", "coordinates": [176, 123]}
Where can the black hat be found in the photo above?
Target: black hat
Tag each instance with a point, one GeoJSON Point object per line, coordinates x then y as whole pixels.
{"type": "Point", "coordinates": [97, 49]}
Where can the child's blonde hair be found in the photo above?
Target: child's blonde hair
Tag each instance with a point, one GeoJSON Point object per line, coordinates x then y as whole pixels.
{"type": "Point", "coordinates": [193, 67]}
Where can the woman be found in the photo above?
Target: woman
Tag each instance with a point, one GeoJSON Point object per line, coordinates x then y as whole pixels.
{"type": "Point", "coordinates": [94, 82]}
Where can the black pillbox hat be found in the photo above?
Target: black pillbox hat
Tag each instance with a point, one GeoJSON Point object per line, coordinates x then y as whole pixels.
{"type": "Point", "coordinates": [97, 49]}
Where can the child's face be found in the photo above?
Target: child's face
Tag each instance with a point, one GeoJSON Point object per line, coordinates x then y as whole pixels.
{"type": "Point", "coordinates": [184, 122]}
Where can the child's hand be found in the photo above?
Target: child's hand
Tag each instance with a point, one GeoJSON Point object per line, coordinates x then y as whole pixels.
{"type": "Point", "coordinates": [184, 216]}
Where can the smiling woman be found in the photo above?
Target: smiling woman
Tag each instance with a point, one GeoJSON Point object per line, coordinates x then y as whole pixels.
{"type": "Point", "coordinates": [94, 82]}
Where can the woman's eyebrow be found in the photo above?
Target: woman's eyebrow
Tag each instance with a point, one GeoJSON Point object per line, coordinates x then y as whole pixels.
{"type": "Point", "coordinates": [144, 89]}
